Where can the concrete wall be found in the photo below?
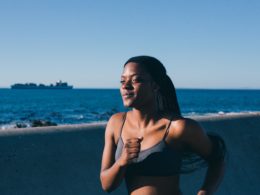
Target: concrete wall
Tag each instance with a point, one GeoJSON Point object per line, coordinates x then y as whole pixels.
{"type": "Point", "coordinates": [66, 159]}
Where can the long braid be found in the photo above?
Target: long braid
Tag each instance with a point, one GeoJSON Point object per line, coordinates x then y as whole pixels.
{"type": "Point", "coordinates": [170, 102]}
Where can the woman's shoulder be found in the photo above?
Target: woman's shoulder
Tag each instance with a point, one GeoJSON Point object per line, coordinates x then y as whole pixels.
{"type": "Point", "coordinates": [188, 132]}
{"type": "Point", "coordinates": [114, 124]}
{"type": "Point", "coordinates": [183, 123]}
{"type": "Point", "coordinates": [182, 127]}
{"type": "Point", "coordinates": [116, 118]}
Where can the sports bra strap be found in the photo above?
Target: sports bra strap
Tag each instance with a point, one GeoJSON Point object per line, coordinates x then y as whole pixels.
{"type": "Point", "coordinates": [165, 134]}
{"type": "Point", "coordinates": [124, 118]}
{"type": "Point", "coordinates": [167, 129]}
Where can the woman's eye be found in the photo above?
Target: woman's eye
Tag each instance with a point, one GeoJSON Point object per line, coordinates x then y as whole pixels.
{"type": "Point", "coordinates": [134, 80]}
{"type": "Point", "coordinates": [137, 80]}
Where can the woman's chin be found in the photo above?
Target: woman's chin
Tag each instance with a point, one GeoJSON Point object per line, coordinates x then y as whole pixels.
{"type": "Point", "coordinates": [128, 104]}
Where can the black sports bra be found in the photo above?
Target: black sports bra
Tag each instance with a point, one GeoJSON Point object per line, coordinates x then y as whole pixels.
{"type": "Point", "coordinates": [158, 160]}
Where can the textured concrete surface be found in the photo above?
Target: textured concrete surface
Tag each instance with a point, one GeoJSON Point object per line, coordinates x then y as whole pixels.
{"type": "Point", "coordinates": [65, 160]}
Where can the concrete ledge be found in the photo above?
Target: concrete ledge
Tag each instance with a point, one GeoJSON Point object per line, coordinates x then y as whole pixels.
{"type": "Point", "coordinates": [66, 160]}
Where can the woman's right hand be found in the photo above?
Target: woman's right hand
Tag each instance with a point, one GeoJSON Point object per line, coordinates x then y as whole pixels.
{"type": "Point", "coordinates": [130, 151]}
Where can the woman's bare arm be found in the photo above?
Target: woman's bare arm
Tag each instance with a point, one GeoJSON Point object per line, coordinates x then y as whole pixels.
{"type": "Point", "coordinates": [196, 138]}
{"type": "Point", "coordinates": [112, 173]}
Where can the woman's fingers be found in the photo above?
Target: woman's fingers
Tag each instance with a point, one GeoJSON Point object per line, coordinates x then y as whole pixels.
{"type": "Point", "coordinates": [134, 140]}
{"type": "Point", "coordinates": [131, 149]}
{"type": "Point", "coordinates": [132, 145]}
{"type": "Point", "coordinates": [133, 155]}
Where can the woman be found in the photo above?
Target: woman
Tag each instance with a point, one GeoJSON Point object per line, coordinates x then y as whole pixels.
{"type": "Point", "coordinates": [147, 145]}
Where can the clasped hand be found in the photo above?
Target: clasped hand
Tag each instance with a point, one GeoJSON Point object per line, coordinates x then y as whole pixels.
{"type": "Point", "coordinates": [130, 151]}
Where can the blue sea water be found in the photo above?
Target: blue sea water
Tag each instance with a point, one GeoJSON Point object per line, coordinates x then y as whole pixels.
{"type": "Point", "coordinates": [97, 105]}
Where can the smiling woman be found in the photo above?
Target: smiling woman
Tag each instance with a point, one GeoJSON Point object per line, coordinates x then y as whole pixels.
{"type": "Point", "coordinates": [148, 145]}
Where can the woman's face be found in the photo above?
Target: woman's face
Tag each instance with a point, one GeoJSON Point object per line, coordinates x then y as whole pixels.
{"type": "Point", "coordinates": [137, 88]}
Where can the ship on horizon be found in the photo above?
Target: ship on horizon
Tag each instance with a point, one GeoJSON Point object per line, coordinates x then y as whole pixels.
{"type": "Point", "coordinates": [58, 85]}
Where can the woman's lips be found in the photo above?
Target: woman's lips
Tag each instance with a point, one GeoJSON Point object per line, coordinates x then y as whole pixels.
{"type": "Point", "coordinates": [128, 95]}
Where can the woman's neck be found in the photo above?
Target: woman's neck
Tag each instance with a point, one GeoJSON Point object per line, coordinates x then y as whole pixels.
{"type": "Point", "coordinates": [145, 117]}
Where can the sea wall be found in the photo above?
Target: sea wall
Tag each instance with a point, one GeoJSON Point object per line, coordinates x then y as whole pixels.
{"type": "Point", "coordinates": [65, 160]}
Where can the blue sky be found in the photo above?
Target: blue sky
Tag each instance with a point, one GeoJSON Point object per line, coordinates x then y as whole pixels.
{"type": "Point", "coordinates": [203, 44]}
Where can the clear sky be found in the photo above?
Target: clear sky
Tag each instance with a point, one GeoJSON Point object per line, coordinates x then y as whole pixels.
{"type": "Point", "coordinates": [203, 44]}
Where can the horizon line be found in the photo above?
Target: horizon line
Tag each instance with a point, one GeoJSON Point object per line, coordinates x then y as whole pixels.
{"type": "Point", "coordinates": [177, 88]}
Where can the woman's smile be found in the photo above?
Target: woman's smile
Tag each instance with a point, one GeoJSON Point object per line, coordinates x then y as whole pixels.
{"type": "Point", "coordinates": [127, 95]}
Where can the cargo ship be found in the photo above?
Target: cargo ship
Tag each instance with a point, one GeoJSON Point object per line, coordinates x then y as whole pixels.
{"type": "Point", "coordinates": [57, 85]}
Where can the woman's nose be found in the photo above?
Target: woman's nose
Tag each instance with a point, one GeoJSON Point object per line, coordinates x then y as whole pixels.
{"type": "Point", "coordinates": [127, 85]}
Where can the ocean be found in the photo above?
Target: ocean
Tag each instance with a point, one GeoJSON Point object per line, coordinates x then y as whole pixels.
{"type": "Point", "coordinates": [21, 107]}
